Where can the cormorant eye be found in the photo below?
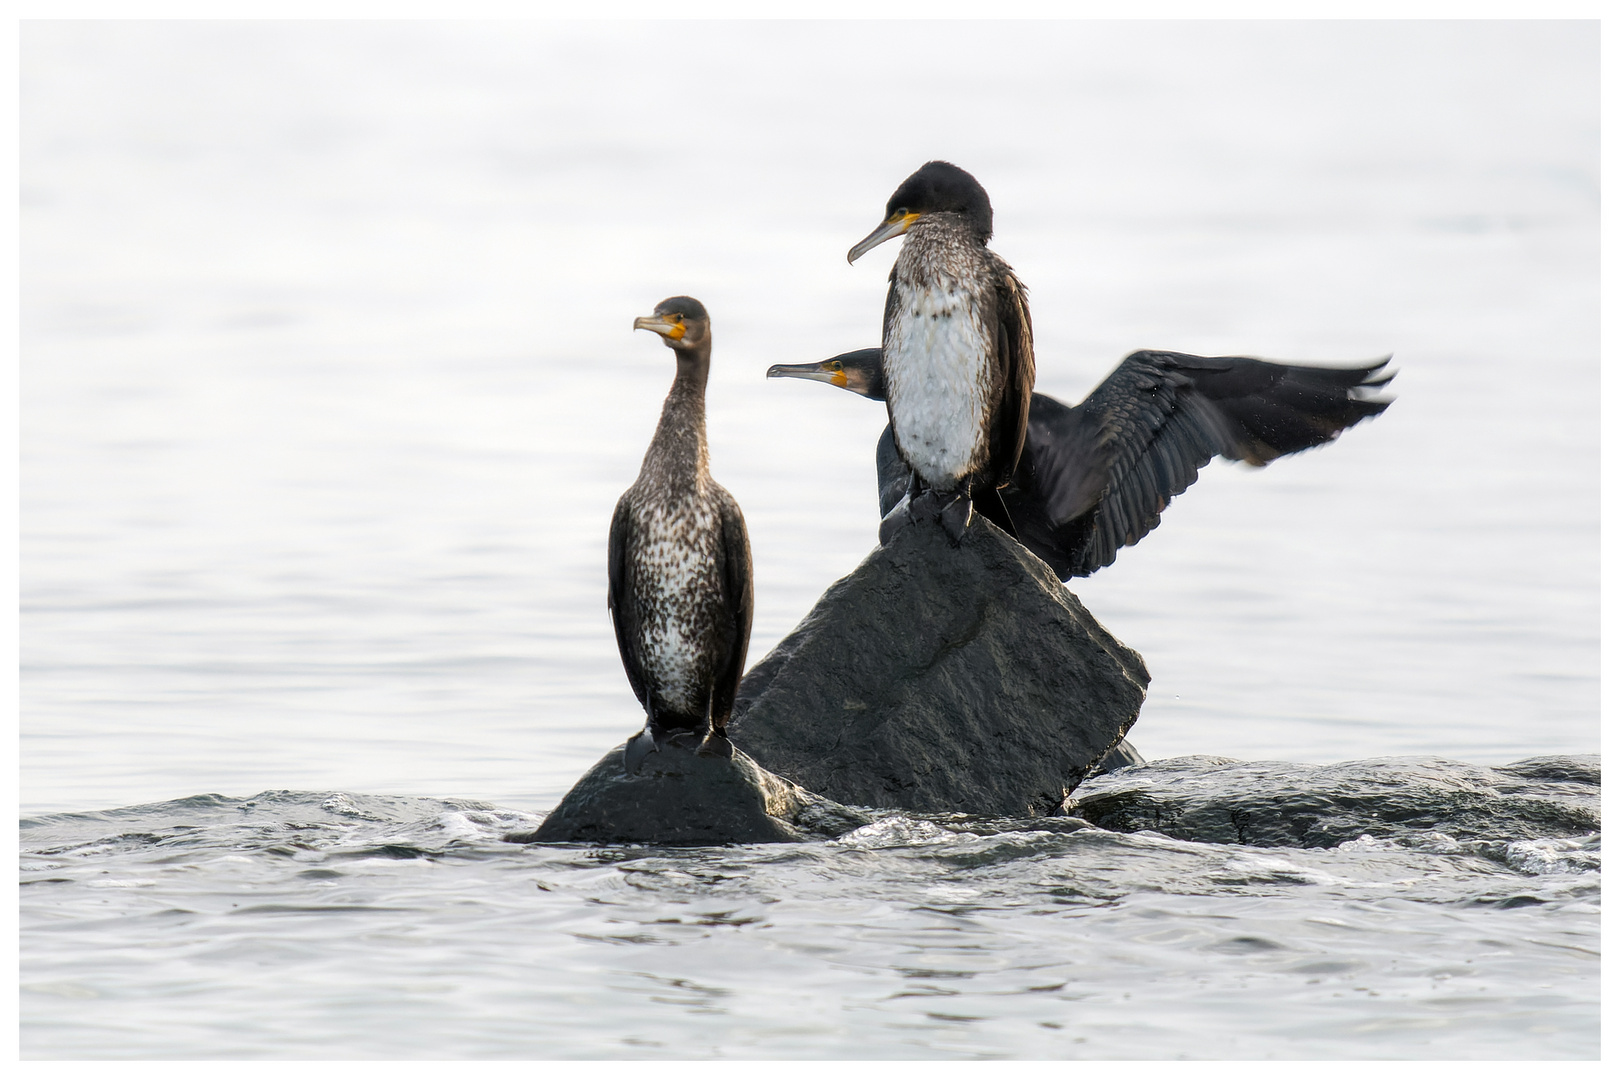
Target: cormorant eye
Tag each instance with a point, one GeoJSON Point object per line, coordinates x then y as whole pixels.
{"type": "Point", "coordinates": [837, 366]}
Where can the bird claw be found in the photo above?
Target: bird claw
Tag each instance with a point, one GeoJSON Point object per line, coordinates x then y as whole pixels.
{"type": "Point", "coordinates": [925, 505]}
{"type": "Point", "coordinates": [955, 516]}
{"type": "Point", "coordinates": [893, 520]}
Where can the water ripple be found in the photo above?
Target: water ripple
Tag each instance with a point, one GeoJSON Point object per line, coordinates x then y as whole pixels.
{"type": "Point", "coordinates": [1038, 932]}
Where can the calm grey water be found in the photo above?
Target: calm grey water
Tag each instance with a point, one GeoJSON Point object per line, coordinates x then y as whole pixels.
{"type": "Point", "coordinates": [328, 388]}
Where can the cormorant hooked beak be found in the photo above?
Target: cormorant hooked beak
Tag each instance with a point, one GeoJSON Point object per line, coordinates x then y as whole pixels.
{"type": "Point", "coordinates": [896, 225]}
{"type": "Point", "coordinates": [859, 372]}
{"type": "Point", "coordinates": [670, 326]}
{"type": "Point", "coordinates": [827, 371]}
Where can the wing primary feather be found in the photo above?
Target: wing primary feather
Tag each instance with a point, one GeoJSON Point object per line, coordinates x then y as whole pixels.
{"type": "Point", "coordinates": [621, 589]}
{"type": "Point", "coordinates": [738, 579]}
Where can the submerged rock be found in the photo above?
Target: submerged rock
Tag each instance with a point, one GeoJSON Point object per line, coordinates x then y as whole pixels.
{"type": "Point", "coordinates": [680, 798]}
{"type": "Point", "coordinates": [1122, 756]}
{"type": "Point", "coordinates": [942, 678]}
{"type": "Point", "coordinates": [1279, 804]}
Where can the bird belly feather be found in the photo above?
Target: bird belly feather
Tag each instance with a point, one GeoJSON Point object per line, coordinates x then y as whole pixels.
{"type": "Point", "coordinates": [937, 360]}
{"type": "Point", "coordinates": [679, 595]}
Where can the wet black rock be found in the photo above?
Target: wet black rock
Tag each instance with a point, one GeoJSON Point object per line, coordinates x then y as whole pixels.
{"type": "Point", "coordinates": [940, 678]}
{"type": "Point", "coordinates": [679, 798]}
{"type": "Point", "coordinates": [1278, 804]}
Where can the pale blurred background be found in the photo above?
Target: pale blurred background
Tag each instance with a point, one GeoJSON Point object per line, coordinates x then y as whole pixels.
{"type": "Point", "coordinates": [329, 387]}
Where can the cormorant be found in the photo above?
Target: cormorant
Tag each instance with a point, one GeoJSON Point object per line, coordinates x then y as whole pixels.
{"type": "Point", "coordinates": [1095, 478]}
{"type": "Point", "coordinates": [680, 574]}
{"type": "Point", "coordinates": [958, 358]}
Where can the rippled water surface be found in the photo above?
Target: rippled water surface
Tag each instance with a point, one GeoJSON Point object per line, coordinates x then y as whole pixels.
{"type": "Point", "coordinates": [328, 389]}
{"type": "Point", "coordinates": [398, 927]}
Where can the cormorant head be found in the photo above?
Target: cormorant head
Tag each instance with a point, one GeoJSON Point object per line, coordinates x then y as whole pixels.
{"type": "Point", "coordinates": [937, 188]}
{"type": "Point", "coordinates": [681, 321]}
{"type": "Point", "coordinates": [859, 372]}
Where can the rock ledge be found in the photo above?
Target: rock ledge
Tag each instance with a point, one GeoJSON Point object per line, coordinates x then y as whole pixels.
{"type": "Point", "coordinates": [679, 798]}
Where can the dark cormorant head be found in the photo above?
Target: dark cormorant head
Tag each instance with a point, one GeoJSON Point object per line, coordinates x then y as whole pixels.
{"type": "Point", "coordinates": [681, 321]}
{"type": "Point", "coordinates": [860, 372]}
{"type": "Point", "coordinates": [937, 188]}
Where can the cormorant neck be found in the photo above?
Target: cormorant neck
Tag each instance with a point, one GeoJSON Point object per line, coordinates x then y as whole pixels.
{"type": "Point", "coordinates": [940, 245]}
{"type": "Point", "coordinates": [680, 447]}
{"type": "Point", "coordinates": [950, 223]}
{"type": "Point", "coordinates": [877, 383]}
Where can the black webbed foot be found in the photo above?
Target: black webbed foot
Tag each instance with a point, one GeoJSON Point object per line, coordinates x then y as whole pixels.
{"type": "Point", "coordinates": [953, 510]}
{"type": "Point", "coordinates": [684, 740]}
{"type": "Point", "coordinates": [637, 749]}
{"type": "Point", "coordinates": [918, 504]}
{"type": "Point", "coordinates": [717, 746]}
{"type": "Point", "coordinates": [987, 502]}
{"type": "Point", "coordinates": [925, 505]}
{"type": "Point", "coordinates": [652, 740]}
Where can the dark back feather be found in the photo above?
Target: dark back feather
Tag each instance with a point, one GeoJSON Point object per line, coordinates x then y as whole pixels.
{"type": "Point", "coordinates": [1016, 346]}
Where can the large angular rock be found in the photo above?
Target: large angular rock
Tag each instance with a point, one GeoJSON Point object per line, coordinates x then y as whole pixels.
{"type": "Point", "coordinates": [681, 798]}
{"type": "Point", "coordinates": [942, 678]}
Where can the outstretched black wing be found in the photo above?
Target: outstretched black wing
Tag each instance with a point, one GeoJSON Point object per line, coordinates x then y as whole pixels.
{"type": "Point", "coordinates": [1108, 469]}
{"type": "Point", "coordinates": [737, 579]}
{"type": "Point", "coordinates": [1057, 545]}
{"type": "Point", "coordinates": [621, 597]}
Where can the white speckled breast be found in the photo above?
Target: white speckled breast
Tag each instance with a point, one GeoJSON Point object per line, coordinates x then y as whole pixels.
{"type": "Point", "coordinates": [936, 356]}
{"type": "Point", "coordinates": [676, 561]}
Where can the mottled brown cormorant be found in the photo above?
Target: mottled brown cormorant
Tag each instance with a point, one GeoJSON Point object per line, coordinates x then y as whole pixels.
{"type": "Point", "coordinates": [1095, 478]}
{"type": "Point", "coordinates": [957, 353]}
{"type": "Point", "coordinates": [680, 575]}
